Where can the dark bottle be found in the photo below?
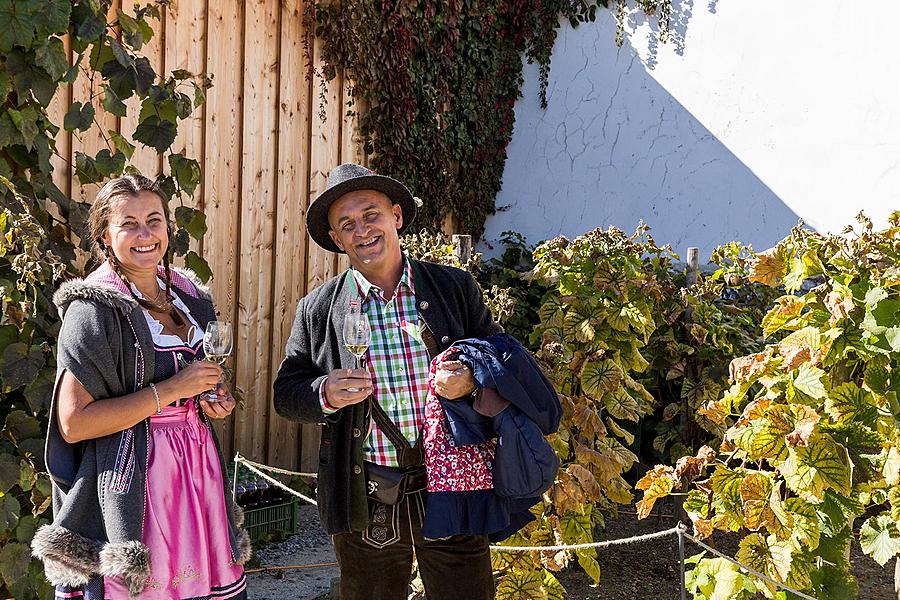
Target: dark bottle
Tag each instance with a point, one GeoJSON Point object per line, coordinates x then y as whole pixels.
{"type": "Point", "coordinates": [252, 494]}
{"type": "Point", "coordinates": [264, 492]}
{"type": "Point", "coordinates": [240, 493]}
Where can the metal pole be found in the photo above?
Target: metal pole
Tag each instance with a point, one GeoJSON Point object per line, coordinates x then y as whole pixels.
{"type": "Point", "coordinates": [681, 558]}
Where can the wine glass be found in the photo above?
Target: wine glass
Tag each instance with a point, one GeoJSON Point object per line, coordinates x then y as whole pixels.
{"type": "Point", "coordinates": [217, 344]}
{"type": "Point", "coordinates": [357, 335]}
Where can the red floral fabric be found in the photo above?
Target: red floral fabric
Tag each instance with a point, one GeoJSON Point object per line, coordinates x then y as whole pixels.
{"type": "Point", "coordinates": [452, 468]}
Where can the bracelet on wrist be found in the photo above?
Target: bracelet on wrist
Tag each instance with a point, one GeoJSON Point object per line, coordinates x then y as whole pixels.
{"type": "Point", "coordinates": [156, 395]}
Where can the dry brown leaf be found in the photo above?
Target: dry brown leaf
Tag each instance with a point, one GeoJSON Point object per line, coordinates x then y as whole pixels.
{"type": "Point", "coordinates": [746, 368]}
{"type": "Point", "coordinates": [839, 305]}
{"type": "Point", "coordinates": [767, 267]}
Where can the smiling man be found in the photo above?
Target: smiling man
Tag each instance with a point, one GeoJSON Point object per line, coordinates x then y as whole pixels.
{"type": "Point", "coordinates": [371, 462]}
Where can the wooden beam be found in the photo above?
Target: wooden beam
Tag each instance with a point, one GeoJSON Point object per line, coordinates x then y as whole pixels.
{"type": "Point", "coordinates": [259, 157]}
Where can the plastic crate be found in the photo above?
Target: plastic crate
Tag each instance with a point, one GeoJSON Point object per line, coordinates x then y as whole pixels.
{"type": "Point", "coordinates": [275, 517]}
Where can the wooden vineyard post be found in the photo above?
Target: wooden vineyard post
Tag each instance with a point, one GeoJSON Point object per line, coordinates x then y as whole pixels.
{"type": "Point", "coordinates": [462, 247]}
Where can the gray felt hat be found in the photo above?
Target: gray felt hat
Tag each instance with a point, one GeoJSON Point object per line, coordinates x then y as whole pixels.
{"type": "Point", "coordinates": [349, 178]}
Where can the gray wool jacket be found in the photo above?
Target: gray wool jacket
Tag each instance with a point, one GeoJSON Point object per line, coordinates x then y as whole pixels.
{"type": "Point", "coordinates": [99, 484]}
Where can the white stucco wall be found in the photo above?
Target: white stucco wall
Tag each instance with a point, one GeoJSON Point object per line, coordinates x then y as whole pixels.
{"type": "Point", "coordinates": [757, 114]}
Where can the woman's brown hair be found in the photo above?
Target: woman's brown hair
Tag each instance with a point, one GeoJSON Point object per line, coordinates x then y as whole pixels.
{"type": "Point", "coordinates": [128, 186]}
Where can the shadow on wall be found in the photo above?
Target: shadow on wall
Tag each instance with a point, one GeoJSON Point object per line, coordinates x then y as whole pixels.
{"type": "Point", "coordinates": [614, 147]}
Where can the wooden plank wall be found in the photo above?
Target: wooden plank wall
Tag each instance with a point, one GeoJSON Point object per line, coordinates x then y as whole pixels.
{"type": "Point", "coordinates": [265, 154]}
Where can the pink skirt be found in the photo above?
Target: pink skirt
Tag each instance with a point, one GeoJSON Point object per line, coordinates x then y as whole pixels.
{"type": "Point", "coordinates": [185, 519]}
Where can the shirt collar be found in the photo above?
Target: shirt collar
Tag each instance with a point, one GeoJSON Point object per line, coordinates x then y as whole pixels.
{"type": "Point", "coordinates": [364, 286]}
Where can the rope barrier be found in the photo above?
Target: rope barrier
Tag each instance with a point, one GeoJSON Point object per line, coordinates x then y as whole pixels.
{"type": "Point", "coordinates": [247, 461]}
{"type": "Point", "coordinates": [680, 530]}
{"type": "Point", "coordinates": [604, 544]}
{"type": "Point", "coordinates": [683, 532]}
{"type": "Point", "coordinates": [238, 459]}
{"type": "Point", "coordinates": [291, 567]}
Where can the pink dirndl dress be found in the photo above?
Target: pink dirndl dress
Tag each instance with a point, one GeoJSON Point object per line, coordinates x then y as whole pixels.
{"type": "Point", "coordinates": [185, 518]}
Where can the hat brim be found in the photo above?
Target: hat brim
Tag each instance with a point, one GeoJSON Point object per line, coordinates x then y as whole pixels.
{"type": "Point", "coordinates": [317, 215]}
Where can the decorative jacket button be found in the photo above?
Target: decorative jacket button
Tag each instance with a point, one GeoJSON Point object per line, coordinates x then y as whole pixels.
{"type": "Point", "coordinates": [445, 339]}
{"type": "Point", "coordinates": [356, 432]}
{"type": "Point", "coordinates": [423, 304]}
{"type": "Point", "coordinates": [357, 469]}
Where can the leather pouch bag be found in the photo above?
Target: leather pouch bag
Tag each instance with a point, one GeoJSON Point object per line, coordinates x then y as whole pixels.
{"type": "Point", "coordinates": [384, 484]}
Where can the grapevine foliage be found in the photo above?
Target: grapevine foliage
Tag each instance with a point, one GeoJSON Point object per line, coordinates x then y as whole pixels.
{"type": "Point", "coordinates": [812, 419]}
{"type": "Point", "coordinates": [43, 231]}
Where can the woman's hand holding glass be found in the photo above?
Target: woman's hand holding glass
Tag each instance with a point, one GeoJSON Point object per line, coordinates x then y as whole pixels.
{"type": "Point", "coordinates": [196, 378]}
{"type": "Point", "coordinates": [217, 344]}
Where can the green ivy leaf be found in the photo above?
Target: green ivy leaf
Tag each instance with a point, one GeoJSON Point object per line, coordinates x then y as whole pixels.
{"type": "Point", "coordinates": [192, 221]}
{"type": "Point", "coordinates": [5, 85]}
{"type": "Point", "coordinates": [183, 106]}
{"type": "Point", "coordinates": [112, 103]}
{"type": "Point", "coordinates": [576, 527]}
{"type": "Point", "coordinates": [53, 16]}
{"type": "Point", "coordinates": [86, 169]}
{"type": "Point", "coordinates": [587, 558]}
{"type": "Point", "coordinates": [156, 133]}
{"type": "Point", "coordinates": [28, 524]}
{"type": "Point", "coordinates": [848, 401]}
{"type": "Point", "coordinates": [9, 509]}
{"type": "Point", "coordinates": [79, 117]}
{"type": "Point", "coordinates": [87, 26]}
{"type": "Point", "coordinates": [187, 173]}
{"type": "Point", "coordinates": [14, 561]}
{"type": "Point", "coordinates": [180, 242]}
{"type": "Point", "coordinates": [20, 364]}
{"type": "Point", "coordinates": [9, 471]}
{"type": "Point", "coordinates": [198, 265]}
{"type": "Point", "coordinates": [879, 538]}
{"type": "Point", "coordinates": [137, 76]}
{"type": "Point", "coordinates": [131, 30]}
{"type": "Point", "coordinates": [26, 122]}
{"type": "Point", "coordinates": [17, 17]}
{"type": "Point", "coordinates": [122, 145]}
{"type": "Point", "coordinates": [109, 164]}
{"type": "Point", "coordinates": [27, 476]}
{"type": "Point", "coordinates": [29, 79]}
{"type": "Point", "coordinates": [21, 426]}
{"type": "Point", "coordinates": [9, 134]}
{"type": "Point", "coordinates": [51, 56]}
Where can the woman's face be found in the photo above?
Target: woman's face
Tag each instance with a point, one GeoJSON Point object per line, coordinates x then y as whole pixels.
{"type": "Point", "coordinates": [137, 232]}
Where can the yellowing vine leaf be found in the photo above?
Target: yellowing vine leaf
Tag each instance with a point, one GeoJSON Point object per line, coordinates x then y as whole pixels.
{"type": "Point", "coordinates": [805, 345]}
{"type": "Point", "coordinates": [784, 315]}
{"type": "Point", "coordinates": [823, 464]}
{"type": "Point", "coordinates": [808, 380]}
{"type": "Point", "coordinates": [748, 368]}
{"type": "Point", "coordinates": [848, 401]}
{"type": "Point", "coordinates": [521, 585]}
{"type": "Point", "coordinates": [622, 405]}
{"type": "Point", "coordinates": [879, 538]}
{"type": "Point", "coordinates": [586, 479]}
{"type": "Point", "coordinates": [656, 484]}
{"type": "Point", "coordinates": [839, 303]}
{"type": "Point", "coordinates": [599, 377]}
{"type": "Point", "coordinates": [756, 490]}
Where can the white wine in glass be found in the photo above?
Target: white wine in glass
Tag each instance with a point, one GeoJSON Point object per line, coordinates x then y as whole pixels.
{"type": "Point", "coordinates": [217, 344]}
{"type": "Point", "coordinates": [357, 334]}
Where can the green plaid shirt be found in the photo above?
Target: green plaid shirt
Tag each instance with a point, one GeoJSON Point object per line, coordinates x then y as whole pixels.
{"type": "Point", "coordinates": [398, 361]}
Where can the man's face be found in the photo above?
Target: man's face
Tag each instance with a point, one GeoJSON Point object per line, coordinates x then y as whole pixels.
{"type": "Point", "coordinates": [364, 224]}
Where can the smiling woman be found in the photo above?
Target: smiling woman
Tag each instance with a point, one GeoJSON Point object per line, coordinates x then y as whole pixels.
{"type": "Point", "coordinates": [131, 482]}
